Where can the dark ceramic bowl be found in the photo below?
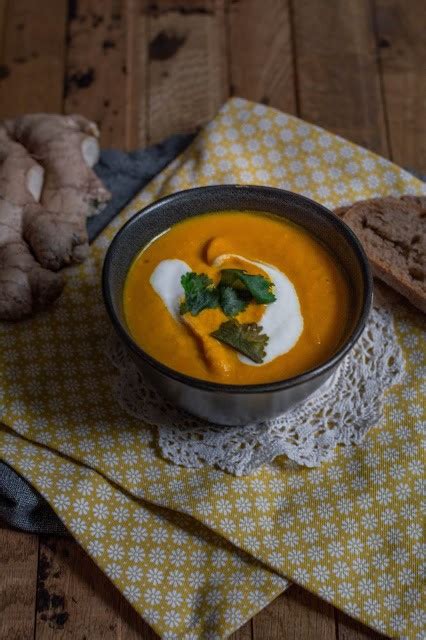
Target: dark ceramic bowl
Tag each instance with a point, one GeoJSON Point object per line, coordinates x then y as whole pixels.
{"type": "Point", "coordinates": [222, 403]}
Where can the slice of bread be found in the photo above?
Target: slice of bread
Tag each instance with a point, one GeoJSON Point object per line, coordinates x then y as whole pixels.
{"type": "Point", "coordinates": [393, 233]}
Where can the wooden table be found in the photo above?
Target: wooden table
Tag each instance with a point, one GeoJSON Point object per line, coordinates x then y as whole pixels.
{"type": "Point", "coordinates": [144, 70]}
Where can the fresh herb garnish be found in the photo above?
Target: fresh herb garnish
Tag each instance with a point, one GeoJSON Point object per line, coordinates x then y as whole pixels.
{"type": "Point", "coordinates": [200, 293]}
{"type": "Point", "coordinates": [258, 286]}
{"type": "Point", "coordinates": [247, 338]}
{"type": "Point", "coordinates": [231, 302]}
{"type": "Point", "coordinates": [235, 290]}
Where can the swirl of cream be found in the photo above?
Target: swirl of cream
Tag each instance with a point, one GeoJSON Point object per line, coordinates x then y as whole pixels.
{"type": "Point", "coordinates": [282, 320]}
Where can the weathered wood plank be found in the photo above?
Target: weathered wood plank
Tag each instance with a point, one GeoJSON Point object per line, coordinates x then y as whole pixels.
{"type": "Point", "coordinates": [2, 24]}
{"type": "Point", "coordinates": [261, 53]}
{"type": "Point", "coordinates": [18, 572]}
{"type": "Point", "coordinates": [350, 629]}
{"type": "Point", "coordinates": [102, 66]}
{"type": "Point", "coordinates": [400, 31]}
{"type": "Point", "coordinates": [187, 65]}
{"type": "Point", "coordinates": [76, 600]}
{"type": "Point", "coordinates": [244, 633]}
{"type": "Point", "coordinates": [137, 71]}
{"type": "Point", "coordinates": [294, 615]}
{"type": "Point", "coordinates": [32, 57]}
{"type": "Point", "coordinates": [337, 71]}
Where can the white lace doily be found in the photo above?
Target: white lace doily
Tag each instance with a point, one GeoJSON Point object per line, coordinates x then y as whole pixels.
{"type": "Point", "coordinates": [341, 412]}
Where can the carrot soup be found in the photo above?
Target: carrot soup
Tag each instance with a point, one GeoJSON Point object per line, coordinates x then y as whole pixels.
{"type": "Point", "coordinates": [237, 297]}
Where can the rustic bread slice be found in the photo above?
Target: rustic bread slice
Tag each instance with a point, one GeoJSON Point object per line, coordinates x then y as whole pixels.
{"type": "Point", "coordinates": [393, 233]}
{"type": "Point", "coordinates": [340, 211]}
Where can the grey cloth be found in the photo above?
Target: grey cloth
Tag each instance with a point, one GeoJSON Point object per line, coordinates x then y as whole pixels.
{"type": "Point", "coordinates": [124, 174]}
{"type": "Point", "coordinates": [23, 507]}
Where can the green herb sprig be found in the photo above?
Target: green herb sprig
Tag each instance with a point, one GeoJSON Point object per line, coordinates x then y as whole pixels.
{"type": "Point", "coordinates": [246, 338]}
{"type": "Point", "coordinates": [235, 291]}
{"type": "Point", "coordinates": [258, 287]}
{"type": "Point", "coordinates": [200, 293]}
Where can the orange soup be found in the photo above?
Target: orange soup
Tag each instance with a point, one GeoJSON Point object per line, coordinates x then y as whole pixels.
{"type": "Point", "coordinates": [237, 297]}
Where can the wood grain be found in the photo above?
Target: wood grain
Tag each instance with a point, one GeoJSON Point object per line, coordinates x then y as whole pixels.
{"type": "Point", "coordinates": [337, 71]}
{"type": "Point", "coordinates": [187, 67]}
{"type": "Point", "coordinates": [244, 633]}
{"type": "Point", "coordinates": [137, 71]}
{"type": "Point", "coordinates": [400, 32]}
{"type": "Point", "coordinates": [32, 57]}
{"type": "Point", "coordinates": [295, 615]}
{"type": "Point", "coordinates": [2, 26]}
{"type": "Point", "coordinates": [101, 68]}
{"type": "Point", "coordinates": [18, 562]}
{"type": "Point", "coordinates": [350, 629]}
{"type": "Point", "coordinates": [76, 600]}
{"type": "Point", "coordinates": [261, 53]}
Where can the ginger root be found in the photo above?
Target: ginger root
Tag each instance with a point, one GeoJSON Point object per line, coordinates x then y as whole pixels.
{"type": "Point", "coordinates": [47, 191]}
{"type": "Point", "coordinates": [24, 284]}
{"type": "Point", "coordinates": [67, 148]}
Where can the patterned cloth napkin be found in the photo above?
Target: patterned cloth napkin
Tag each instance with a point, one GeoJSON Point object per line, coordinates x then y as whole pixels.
{"type": "Point", "coordinates": [197, 552]}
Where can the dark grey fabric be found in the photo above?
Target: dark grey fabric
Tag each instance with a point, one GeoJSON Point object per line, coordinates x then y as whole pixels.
{"type": "Point", "coordinates": [23, 507]}
{"type": "Point", "coordinates": [124, 174]}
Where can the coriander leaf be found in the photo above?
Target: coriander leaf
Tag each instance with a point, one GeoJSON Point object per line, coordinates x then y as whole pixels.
{"type": "Point", "coordinates": [232, 304]}
{"type": "Point", "coordinates": [231, 278]}
{"type": "Point", "coordinates": [245, 338]}
{"type": "Point", "coordinates": [258, 286]}
{"type": "Point", "coordinates": [200, 293]}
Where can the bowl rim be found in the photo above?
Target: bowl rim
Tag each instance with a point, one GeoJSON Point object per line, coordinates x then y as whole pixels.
{"type": "Point", "coordinates": [264, 387]}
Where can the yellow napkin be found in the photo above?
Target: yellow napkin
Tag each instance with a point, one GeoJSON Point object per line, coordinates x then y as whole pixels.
{"type": "Point", "coordinates": [350, 531]}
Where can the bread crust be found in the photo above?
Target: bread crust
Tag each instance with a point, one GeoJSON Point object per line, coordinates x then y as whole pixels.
{"type": "Point", "coordinates": [393, 233]}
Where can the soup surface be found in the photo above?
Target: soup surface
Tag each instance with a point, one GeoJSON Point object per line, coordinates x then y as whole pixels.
{"type": "Point", "coordinates": [304, 323]}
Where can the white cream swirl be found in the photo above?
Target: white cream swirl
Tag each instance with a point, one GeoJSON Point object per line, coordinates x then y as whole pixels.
{"type": "Point", "coordinates": [282, 320]}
